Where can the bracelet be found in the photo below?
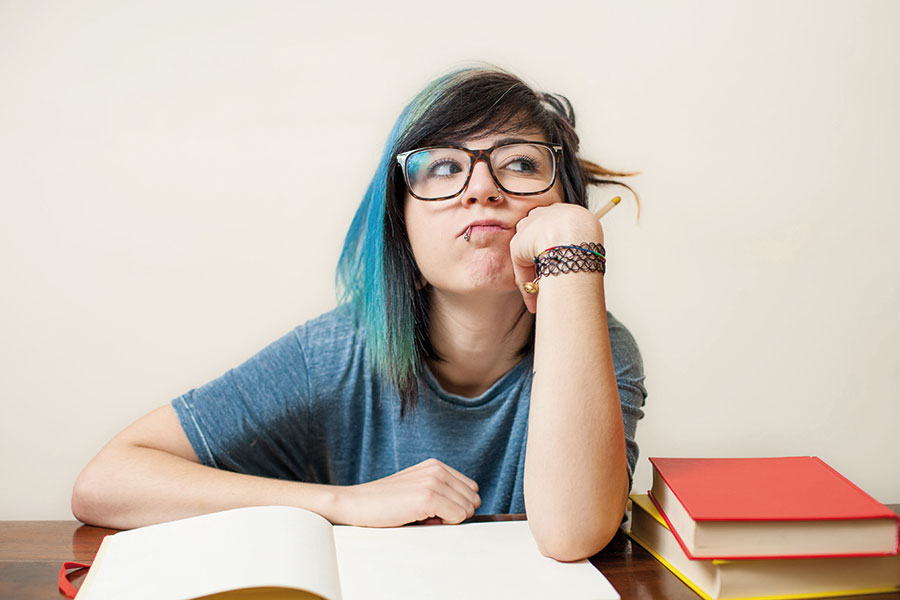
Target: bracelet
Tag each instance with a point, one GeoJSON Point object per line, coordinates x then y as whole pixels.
{"type": "Point", "coordinates": [587, 256]}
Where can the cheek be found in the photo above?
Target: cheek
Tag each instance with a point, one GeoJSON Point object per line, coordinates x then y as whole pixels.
{"type": "Point", "coordinates": [556, 194]}
{"type": "Point", "coordinates": [426, 253]}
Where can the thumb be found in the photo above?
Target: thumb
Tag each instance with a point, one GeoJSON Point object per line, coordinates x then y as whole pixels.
{"type": "Point", "coordinates": [524, 272]}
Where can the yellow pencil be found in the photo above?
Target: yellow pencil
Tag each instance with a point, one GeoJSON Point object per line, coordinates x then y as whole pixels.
{"type": "Point", "coordinates": [607, 207]}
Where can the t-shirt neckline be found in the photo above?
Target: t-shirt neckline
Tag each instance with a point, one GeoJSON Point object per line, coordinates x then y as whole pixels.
{"type": "Point", "coordinates": [498, 388]}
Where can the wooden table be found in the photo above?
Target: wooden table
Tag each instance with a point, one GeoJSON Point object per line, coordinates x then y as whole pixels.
{"type": "Point", "coordinates": [31, 553]}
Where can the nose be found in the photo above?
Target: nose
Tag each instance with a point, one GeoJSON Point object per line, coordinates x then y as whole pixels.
{"type": "Point", "coordinates": [481, 187]}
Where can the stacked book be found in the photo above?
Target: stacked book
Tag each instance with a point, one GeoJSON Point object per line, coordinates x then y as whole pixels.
{"type": "Point", "coordinates": [743, 528]}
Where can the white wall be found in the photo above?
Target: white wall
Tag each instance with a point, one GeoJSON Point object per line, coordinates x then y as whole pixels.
{"type": "Point", "coordinates": [176, 178]}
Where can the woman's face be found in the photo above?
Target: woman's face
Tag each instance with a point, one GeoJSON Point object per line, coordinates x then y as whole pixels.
{"type": "Point", "coordinates": [437, 228]}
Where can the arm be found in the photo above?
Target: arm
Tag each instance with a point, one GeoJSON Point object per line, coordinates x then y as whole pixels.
{"type": "Point", "coordinates": [576, 469]}
{"type": "Point", "coordinates": [149, 473]}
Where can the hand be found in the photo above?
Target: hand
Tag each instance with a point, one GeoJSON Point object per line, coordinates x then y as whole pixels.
{"type": "Point", "coordinates": [425, 491]}
{"type": "Point", "coordinates": [544, 227]}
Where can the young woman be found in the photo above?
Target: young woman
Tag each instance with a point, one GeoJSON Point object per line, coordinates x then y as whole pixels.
{"type": "Point", "coordinates": [414, 398]}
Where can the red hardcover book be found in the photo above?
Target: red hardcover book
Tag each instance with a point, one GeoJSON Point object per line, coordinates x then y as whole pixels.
{"type": "Point", "coordinates": [788, 507]}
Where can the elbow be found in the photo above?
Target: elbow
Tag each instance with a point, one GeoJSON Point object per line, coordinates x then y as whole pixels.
{"type": "Point", "coordinates": [83, 499]}
{"type": "Point", "coordinates": [573, 541]}
{"type": "Point", "coordinates": [90, 498]}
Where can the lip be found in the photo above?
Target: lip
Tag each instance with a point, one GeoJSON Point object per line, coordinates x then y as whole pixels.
{"type": "Point", "coordinates": [485, 224]}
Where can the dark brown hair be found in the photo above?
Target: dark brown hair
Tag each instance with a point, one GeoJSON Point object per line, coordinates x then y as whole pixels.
{"type": "Point", "coordinates": [467, 103]}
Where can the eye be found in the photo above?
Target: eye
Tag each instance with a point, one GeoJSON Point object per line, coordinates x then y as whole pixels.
{"type": "Point", "coordinates": [444, 168]}
{"type": "Point", "coordinates": [524, 165]}
{"type": "Point", "coordinates": [521, 164]}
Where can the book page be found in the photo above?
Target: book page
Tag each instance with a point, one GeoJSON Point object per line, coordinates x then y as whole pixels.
{"type": "Point", "coordinates": [260, 547]}
{"type": "Point", "coordinates": [473, 560]}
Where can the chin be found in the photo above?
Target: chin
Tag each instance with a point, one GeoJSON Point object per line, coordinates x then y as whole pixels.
{"type": "Point", "coordinates": [485, 273]}
{"type": "Point", "coordinates": [492, 271]}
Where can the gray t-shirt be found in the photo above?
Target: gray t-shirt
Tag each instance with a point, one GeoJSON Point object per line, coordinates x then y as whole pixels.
{"type": "Point", "coordinates": [309, 407]}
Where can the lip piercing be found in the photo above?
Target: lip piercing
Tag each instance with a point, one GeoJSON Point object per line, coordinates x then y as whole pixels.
{"type": "Point", "coordinates": [468, 231]}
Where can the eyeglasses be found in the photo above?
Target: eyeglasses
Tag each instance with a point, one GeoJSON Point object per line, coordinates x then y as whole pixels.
{"type": "Point", "coordinates": [518, 168]}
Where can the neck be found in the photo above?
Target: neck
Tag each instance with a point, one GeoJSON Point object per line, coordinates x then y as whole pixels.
{"type": "Point", "coordinates": [478, 336]}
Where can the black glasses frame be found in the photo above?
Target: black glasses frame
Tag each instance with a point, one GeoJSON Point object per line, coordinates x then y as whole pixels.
{"type": "Point", "coordinates": [475, 156]}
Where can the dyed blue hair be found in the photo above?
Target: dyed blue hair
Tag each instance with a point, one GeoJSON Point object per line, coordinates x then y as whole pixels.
{"type": "Point", "coordinates": [364, 279]}
{"type": "Point", "coordinates": [376, 273]}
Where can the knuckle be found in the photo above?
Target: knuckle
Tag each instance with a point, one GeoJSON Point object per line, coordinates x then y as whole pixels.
{"type": "Point", "coordinates": [427, 496]}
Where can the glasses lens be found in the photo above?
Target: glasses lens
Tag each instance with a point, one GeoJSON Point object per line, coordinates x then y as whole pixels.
{"type": "Point", "coordinates": [524, 168]}
{"type": "Point", "coordinates": [437, 172]}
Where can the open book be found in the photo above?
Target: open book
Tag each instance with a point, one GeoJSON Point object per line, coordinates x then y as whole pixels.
{"type": "Point", "coordinates": [282, 552]}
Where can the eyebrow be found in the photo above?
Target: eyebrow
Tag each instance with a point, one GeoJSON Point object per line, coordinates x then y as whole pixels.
{"type": "Point", "coordinates": [506, 140]}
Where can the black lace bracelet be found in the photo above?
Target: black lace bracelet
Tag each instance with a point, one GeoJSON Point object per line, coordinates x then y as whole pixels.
{"type": "Point", "coordinates": [586, 256]}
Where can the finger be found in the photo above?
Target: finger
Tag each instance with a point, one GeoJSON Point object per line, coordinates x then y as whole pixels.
{"type": "Point", "coordinates": [470, 484]}
{"type": "Point", "coordinates": [523, 271]}
{"type": "Point", "coordinates": [529, 218]}
{"type": "Point", "coordinates": [523, 275]}
{"type": "Point", "coordinates": [459, 486]}
{"type": "Point", "coordinates": [520, 224]}
{"type": "Point", "coordinates": [447, 504]}
{"type": "Point", "coordinates": [436, 464]}
{"type": "Point", "coordinates": [462, 496]}
{"type": "Point", "coordinates": [460, 491]}
{"type": "Point", "coordinates": [439, 476]}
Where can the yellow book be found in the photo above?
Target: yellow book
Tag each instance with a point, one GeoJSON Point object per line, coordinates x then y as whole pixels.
{"type": "Point", "coordinates": [761, 579]}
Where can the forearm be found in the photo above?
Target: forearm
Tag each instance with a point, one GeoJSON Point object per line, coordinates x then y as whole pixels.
{"type": "Point", "coordinates": [576, 476]}
{"type": "Point", "coordinates": [128, 486]}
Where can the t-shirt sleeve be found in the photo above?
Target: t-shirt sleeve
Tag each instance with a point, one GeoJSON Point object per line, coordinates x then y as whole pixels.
{"type": "Point", "coordinates": [630, 378]}
{"type": "Point", "coordinates": [253, 419]}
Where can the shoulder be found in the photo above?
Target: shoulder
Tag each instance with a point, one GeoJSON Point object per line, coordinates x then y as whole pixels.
{"type": "Point", "coordinates": [339, 324]}
{"type": "Point", "coordinates": [327, 334]}
{"type": "Point", "coordinates": [335, 329]}
{"type": "Point", "coordinates": [312, 349]}
{"type": "Point", "coordinates": [333, 342]}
